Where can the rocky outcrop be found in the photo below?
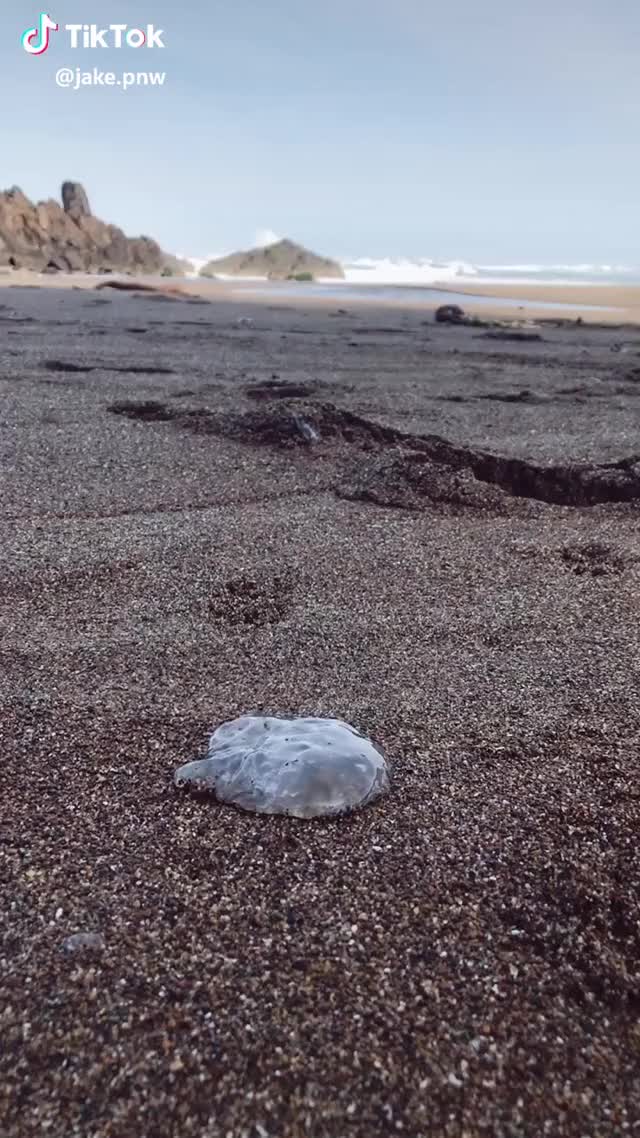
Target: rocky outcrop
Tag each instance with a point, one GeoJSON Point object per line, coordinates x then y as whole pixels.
{"type": "Point", "coordinates": [176, 266]}
{"type": "Point", "coordinates": [75, 201]}
{"type": "Point", "coordinates": [450, 314]}
{"type": "Point", "coordinates": [282, 261]}
{"type": "Point", "coordinates": [47, 236]}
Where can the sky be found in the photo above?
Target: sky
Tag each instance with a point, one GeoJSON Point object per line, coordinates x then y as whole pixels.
{"type": "Point", "coordinates": [493, 132]}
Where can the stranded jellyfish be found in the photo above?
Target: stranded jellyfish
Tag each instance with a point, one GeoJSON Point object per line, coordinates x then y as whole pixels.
{"type": "Point", "coordinates": [302, 767]}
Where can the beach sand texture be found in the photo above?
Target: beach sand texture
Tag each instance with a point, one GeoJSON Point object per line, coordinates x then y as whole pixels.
{"type": "Point", "coordinates": [618, 304]}
{"type": "Point", "coordinates": [462, 957]}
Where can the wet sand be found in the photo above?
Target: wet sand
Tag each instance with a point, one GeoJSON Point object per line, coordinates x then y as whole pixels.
{"type": "Point", "coordinates": [618, 304]}
{"type": "Point", "coordinates": [625, 299]}
{"type": "Point", "coordinates": [454, 568]}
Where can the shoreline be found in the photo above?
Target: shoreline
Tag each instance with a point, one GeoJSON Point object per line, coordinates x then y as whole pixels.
{"type": "Point", "coordinates": [609, 304]}
{"type": "Point", "coordinates": [622, 298]}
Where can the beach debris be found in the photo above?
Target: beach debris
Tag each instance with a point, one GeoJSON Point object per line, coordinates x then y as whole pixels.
{"type": "Point", "coordinates": [65, 366]}
{"type": "Point", "coordinates": [244, 322]}
{"type": "Point", "coordinates": [84, 942]}
{"type": "Point", "coordinates": [449, 314]}
{"type": "Point", "coordinates": [453, 314]}
{"type": "Point", "coordinates": [128, 369]}
{"type": "Point", "coordinates": [595, 558]}
{"type": "Point", "coordinates": [276, 426]}
{"type": "Point", "coordinates": [303, 767]}
{"type": "Point", "coordinates": [149, 410]}
{"type": "Point", "coordinates": [522, 396]}
{"type": "Point", "coordinates": [525, 337]}
{"type": "Point", "coordinates": [307, 432]}
{"type": "Point", "coordinates": [279, 389]}
{"type": "Point", "coordinates": [151, 290]}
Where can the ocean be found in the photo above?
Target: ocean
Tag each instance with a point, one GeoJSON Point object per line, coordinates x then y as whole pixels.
{"type": "Point", "coordinates": [424, 272]}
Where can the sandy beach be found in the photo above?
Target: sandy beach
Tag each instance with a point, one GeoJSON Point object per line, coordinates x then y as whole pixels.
{"type": "Point", "coordinates": [610, 304]}
{"type": "Point", "coordinates": [624, 298]}
{"type": "Point", "coordinates": [453, 567]}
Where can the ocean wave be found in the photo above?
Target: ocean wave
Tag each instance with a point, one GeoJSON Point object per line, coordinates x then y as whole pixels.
{"type": "Point", "coordinates": [368, 270]}
{"type": "Point", "coordinates": [598, 270]}
{"type": "Point", "coordinates": [426, 271]}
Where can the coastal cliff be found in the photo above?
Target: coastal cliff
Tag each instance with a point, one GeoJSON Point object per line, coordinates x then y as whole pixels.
{"type": "Point", "coordinates": [52, 237]}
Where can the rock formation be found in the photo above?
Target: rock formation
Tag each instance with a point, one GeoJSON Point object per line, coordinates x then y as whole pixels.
{"type": "Point", "coordinates": [450, 314]}
{"type": "Point", "coordinates": [47, 236]}
{"type": "Point", "coordinates": [75, 201]}
{"type": "Point", "coordinates": [281, 261]}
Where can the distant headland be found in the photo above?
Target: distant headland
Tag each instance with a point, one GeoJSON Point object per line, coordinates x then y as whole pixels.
{"type": "Point", "coordinates": [284, 260]}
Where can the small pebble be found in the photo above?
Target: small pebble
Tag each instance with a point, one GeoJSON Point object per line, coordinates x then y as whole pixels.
{"type": "Point", "coordinates": [84, 942]}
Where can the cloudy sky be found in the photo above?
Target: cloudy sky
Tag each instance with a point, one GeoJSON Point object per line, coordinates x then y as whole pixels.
{"type": "Point", "coordinates": [494, 132]}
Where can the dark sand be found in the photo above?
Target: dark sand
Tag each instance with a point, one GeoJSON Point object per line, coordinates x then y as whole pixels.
{"type": "Point", "coordinates": [462, 958]}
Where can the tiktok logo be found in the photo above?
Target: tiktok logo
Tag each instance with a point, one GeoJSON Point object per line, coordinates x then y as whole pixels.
{"type": "Point", "coordinates": [36, 40]}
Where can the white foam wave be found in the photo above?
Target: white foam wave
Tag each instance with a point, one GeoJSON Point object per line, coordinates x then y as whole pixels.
{"type": "Point", "coordinates": [388, 270]}
{"type": "Point", "coordinates": [197, 263]}
{"type": "Point", "coordinates": [423, 271]}
{"type": "Point", "coordinates": [582, 269]}
{"type": "Point", "coordinates": [265, 237]}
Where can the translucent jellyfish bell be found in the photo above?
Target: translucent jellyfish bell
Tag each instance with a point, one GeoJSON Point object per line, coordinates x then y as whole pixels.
{"type": "Point", "coordinates": [302, 767]}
